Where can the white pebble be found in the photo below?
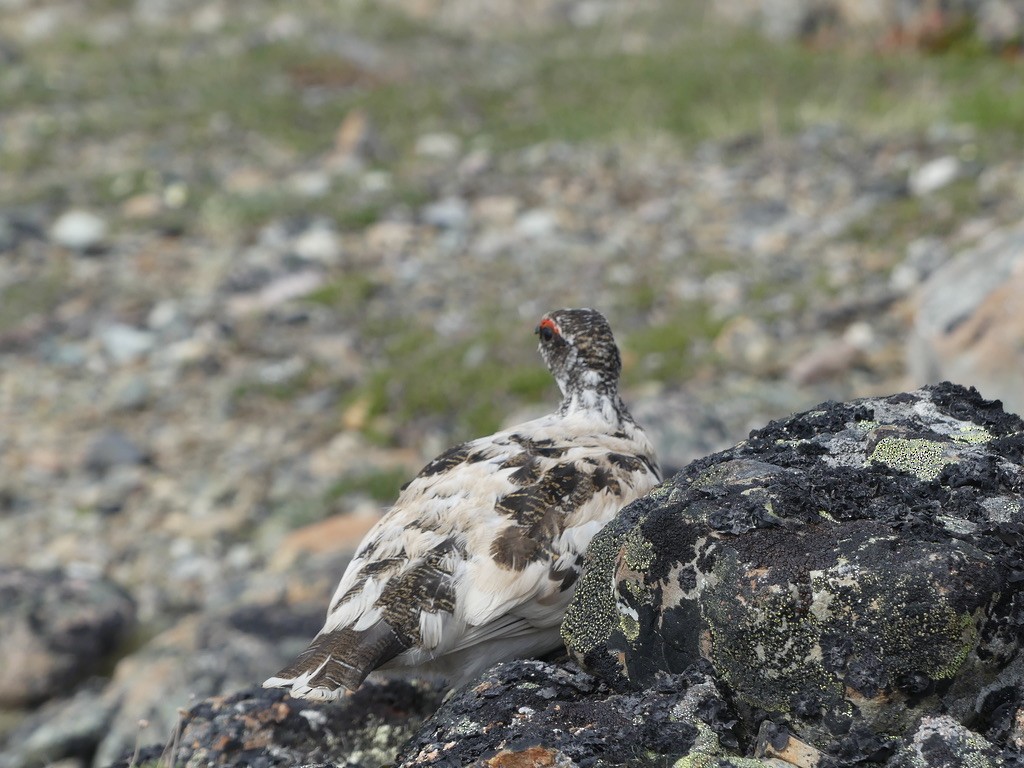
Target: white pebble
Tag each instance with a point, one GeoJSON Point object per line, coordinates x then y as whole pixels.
{"type": "Point", "coordinates": [79, 230]}
{"type": "Point", "coordinates": [934, 175]}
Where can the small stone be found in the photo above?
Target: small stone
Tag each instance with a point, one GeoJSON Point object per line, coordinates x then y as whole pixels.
{"type": "Point", "coordinates": [438, 146]}
{"type": "Point", "coordinates": [375, 182]}
{"type": "Point", "coordinates": [312, 184]}
{"type": "Point", "coordinates": [497, 209]}
{"type": "Point", "coordinates": [934, 175]}
{"type": "Point", "coordinates": [131, 395]}
{"type": "Point", "coordinates": [924, 256]}
{"type": "Point", "coordinates": [125, 343]}
{"type": "Point", "coordinates": [282, 372]}
{"type": "Point", "coordinates": [166, 316]}
{"type": "Point", "coordinates": [277, 292]}
{"type": "Point", "coordinates": [142, 206]}
{"type": "Point", "coordinates": [390, 236]}
{"type": "Point", "coordinates": [318, 243]}
{"type": "Point", "coordinates": [475, 163]}
{"type": "Point", "coordinates": [175, 195]}
{"type": "Point", "coordinates": [80, 231]}
{"type": "Point", "coordinates": [67, 355]}
{"type": "Point", "coordinates": [355, 142]}
{"type": "Point", "coordinates": [449, 213]}
{"type": "Point", "coordinates": [536, 223]}
{"type": "Point", "coordinates": [112, 448]}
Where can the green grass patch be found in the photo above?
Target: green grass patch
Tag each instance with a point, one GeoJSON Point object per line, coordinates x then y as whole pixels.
{"type": "Point", "coordinates": [672, 347]}
{"type": "Point", "coordinates": [427, 380]}
{"type": "Point", "coordinates": [238, 98]}
{"type": "Point", "coordinates": [380, 485]}
{"type": "Point", "coordinates": [31, 297]}
{"type": "Point", "coordinates": [900, 220]}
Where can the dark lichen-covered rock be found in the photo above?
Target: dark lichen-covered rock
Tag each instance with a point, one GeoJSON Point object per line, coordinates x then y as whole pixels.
{"type": "Point", "coordinates": [260, 728]}
{"type": "Point", "coordinates": [845, 571]}
{"type": "Point", "coordinates": [532, 713]}
{"type": "Point", "coordinates": [56, 629]}
{"type": "Point", "coordinates": [942, 742]}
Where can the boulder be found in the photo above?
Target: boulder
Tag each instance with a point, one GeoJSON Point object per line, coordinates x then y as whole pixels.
{"type": "Point", "coordinates": [969, 322]}
{"type": "Point", "coordinates": [56, 629]}
{"type": "Point", "coordinates": [846, 572]}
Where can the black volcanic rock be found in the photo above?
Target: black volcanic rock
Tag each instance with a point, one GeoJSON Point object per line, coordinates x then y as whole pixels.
{"type": "Point", "coordinates": [535, 713]}
{"type": "Point", "coordinates": [260, 728]}
{"type": "Point", "coordinates": [845, 571]}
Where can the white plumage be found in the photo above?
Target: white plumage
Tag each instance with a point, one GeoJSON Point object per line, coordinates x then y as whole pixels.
{"type": "Point", "coordinates": [476, 561]}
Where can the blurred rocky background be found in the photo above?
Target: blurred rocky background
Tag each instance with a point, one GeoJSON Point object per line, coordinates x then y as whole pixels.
{"type": "Point", "coordinates": [259, 261]}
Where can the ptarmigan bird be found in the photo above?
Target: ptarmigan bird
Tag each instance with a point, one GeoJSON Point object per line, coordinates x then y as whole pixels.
{"type": "Point", "coordinates": [477, 560]}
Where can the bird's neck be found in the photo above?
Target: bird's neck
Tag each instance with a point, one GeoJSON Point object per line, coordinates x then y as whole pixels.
{"type": "Point", "coordinates": [598, 397]}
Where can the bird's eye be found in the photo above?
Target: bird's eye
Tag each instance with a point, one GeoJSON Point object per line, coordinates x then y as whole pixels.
{"type": "Point", "coordinates": [547, 329]}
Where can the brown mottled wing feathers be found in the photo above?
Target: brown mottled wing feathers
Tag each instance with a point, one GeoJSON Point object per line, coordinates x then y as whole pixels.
{"type": "Point", "coordinates": [538, 512]}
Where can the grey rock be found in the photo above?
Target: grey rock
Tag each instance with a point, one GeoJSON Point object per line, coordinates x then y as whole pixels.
{"type": "Point", "coordinates": [131, 394]}
{"type": "Point", "coordinates": [80, 231]}
{"type": "Point", "coordinates": [536, 223]}
{"type": "Point", "coordinates": [125, 344]}
{"type": "Point", "coordinates": [438, 146]}
{"type": "Point", "coordinates": [837, 569]}
{"type": "Point", "coordinates": [63, 355]}
{"type": "Point", "coordinates": [282, 372]}
{"type": "Point", "coordinates": [60, 729]}
{"type": "Point", "coordinates": [319, 243]}
{"type": "Point", "coordinates": [942, 742]}
{"type": "Point", "coordinates": [924, 256]}
{"type": "Point", "coordinates": [55, 631]}
{"type": "Point", "coordinates": [1000, 23]}
{"type": "Point", "coordinates": [969, 321]}
{"type": "Point", "coordinates": [112, 448]}
{"type": "Point", "coordinates": [10, 231]}
{"type": "Point", "coordinates": [934, 175]}
{"type": "Point", "coordinates": [169, 321]}
{"type": "Point", "coordinates": [449, 213]}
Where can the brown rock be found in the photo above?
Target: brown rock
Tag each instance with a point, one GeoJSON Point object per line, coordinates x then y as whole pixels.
{"type": "Point", "coordinates": [341, 533]}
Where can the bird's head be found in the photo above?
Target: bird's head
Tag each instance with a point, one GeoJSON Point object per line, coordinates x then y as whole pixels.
{"type": "Point", "coordinates": [578, 347]}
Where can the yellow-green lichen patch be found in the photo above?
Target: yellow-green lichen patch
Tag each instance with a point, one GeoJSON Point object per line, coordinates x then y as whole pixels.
{"type": "Point", "coordinates": [635, 590]}
{"type": "Point", "coordinates": [972, 434]}
{"type": "Point", "coordinates": [765, 643]}
{"type": "Point", "coordinates": [922, 458]}
{"type": "Point", "coordinates": [591, 615]}
{"type": "Point", "coordinates": [630, 626]}
{"type": "Point", "coordinates": [707, 753]}
{"type": "Point", "coordinates": [638, 552]}
{"type": "Point", "coordinates": [661, 492]}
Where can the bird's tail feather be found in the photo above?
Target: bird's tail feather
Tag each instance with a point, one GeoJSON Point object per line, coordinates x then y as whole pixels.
{"type": "Point", "coordinates": [336, 659]}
